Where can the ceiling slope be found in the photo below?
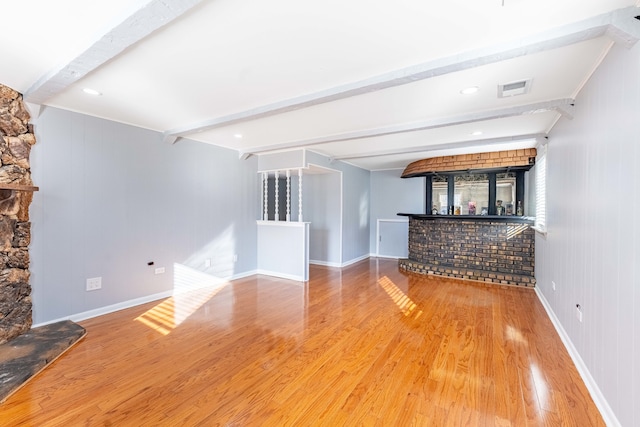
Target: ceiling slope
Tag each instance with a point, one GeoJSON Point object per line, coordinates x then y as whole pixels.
{"type": "Point", "coordinates": [368, 82]}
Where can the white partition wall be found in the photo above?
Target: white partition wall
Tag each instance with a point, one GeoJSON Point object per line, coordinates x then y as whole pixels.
{"type": "Point", "coordinates": [283, 246]}
{"type": "Point", "coordinates": [283, 249]}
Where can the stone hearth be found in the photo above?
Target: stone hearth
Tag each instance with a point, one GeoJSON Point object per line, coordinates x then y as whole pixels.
{"type": "Point", "coordinates": [25, 356]}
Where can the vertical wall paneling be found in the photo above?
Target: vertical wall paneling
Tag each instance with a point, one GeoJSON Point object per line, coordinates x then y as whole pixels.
{"type": "Point", "coordinates": [322, 209]}
{"type": "Point", "coordinates": [354, 205]}
{"type": "Point", "coordinates": [591, 249]}
{"type": "Point", "coordinates": [113, 198]}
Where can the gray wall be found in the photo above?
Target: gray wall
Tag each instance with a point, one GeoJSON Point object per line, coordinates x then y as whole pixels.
{"type": "Point", "coordinates": [391, 194]}
{"type": "Point", "coordinates": [355, 206]}
{"type": "Point", "coordinates": [113, 197]}
{"type": "Point", "coordinates": [592, 250]}
{"type": "Point", "coordinates": [321, 199]}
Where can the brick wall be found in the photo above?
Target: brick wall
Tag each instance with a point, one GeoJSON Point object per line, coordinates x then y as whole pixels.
{"type": "Point", "coordinates": [488, 251]}
{"type": "Point", "coordinates": [463, 162]}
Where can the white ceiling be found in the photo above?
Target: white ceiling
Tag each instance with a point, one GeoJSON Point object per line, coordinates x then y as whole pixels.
{"type": "Point", "coordinates": [374, 83]}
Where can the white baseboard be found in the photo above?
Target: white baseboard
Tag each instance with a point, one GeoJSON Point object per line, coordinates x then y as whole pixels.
{"type": "Point", "coordinates": [353, 261]}
{"type": "Point", "coordinates": [389, 256]}
{"type": "Point", "coordinates": [281, 275]}
{"type": "Point", "coordinates": [607, 413]}
{"type": "Point", "coordinates": [127, 304]}
{"type": "Point", "coordinates": [109, 308]}
{"type": "Point", "coordinates": [337, 264]}
{"type": "Point", "coordinates": [243, 275]}
{"type": "Point", "coordinates": [324, 263]}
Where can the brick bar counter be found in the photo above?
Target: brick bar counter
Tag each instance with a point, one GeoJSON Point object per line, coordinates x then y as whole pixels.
{"type": "Point", "coordinates": [493, 249]}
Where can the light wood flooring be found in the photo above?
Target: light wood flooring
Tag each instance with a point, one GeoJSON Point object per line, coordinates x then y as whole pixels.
{"type": "Point", "coordinates": [365, 345]}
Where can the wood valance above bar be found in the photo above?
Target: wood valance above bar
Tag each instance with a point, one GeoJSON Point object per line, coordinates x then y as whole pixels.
{"type": "Point", "coordinates": [498, 160]}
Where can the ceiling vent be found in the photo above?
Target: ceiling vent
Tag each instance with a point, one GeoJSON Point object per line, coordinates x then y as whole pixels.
{"type": "Point", "coordinates": [514, 88]}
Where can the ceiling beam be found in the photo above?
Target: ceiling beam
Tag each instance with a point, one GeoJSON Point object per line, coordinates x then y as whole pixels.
{"type": "Point", "coordinates": [534, 137]}
{"type": "Point", "coordinates": [171, 140]}
{"type": "Point", "coordinates": [620, 25]}
{"type": "Point", "coordinates": [557, 105]}
{"type": "Point", "coordinates": [128, 30]}
{"type": "Point", "coordinates": [624, 27]}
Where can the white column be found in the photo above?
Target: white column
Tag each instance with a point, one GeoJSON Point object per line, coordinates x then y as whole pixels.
{"type": "Point", "coordinates": [299, 195]}
{"type": "Point", "coordinates": [277, 213]}
{"type": "Point", "coordinates": [288, 195]}
{"type": "Point", "coordinates": [265, 196]}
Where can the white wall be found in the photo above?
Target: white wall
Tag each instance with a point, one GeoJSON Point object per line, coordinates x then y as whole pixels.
{"type": "Point", "coordinates": [591, 251]}
{"type": "Point", "coordinates": [114, 197]}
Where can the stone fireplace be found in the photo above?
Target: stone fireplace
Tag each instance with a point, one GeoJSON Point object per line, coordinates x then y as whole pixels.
{"type": "Point", "coordinates": [23, 351]}
{"type": "Point", "coordinates": [16, 192]}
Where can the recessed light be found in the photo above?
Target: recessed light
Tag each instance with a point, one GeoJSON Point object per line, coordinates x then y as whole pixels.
{"type": "Point", "coordinates": [470, 90]}
{"type": "Point", "coordinates": [237, 136]}
{"type": "Point", "coordinates": [90, 91]}
{"type": "Point", "coordinates": [476, 133]}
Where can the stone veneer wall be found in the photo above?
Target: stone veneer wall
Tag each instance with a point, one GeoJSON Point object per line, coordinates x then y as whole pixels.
{"type": "Point", "coordinates": [487, 251]}
{"type": "Point", "coordinates": [462, 162]}
{"type": "Point", "coordinates": [16, 139]}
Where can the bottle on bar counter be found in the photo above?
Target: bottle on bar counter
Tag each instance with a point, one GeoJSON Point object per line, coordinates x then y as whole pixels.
{"type": "Point", "coordinates": [519, 211]}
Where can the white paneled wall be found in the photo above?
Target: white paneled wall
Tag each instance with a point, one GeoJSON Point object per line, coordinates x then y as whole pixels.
{"type": "Point", "coordinates": [591, 250]}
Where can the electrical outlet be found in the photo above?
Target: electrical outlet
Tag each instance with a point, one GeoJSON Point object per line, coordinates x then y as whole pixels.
{"type": "Point", "coordinates": [207, 262]}
{"type": "Point", "coordinates": [579, 312]}
{"type": "Point", "coordinates": [553, 285]}
{"type": "Point", "coordinates": [159, 270]}
{"type": "Point", "coordinates": [94, 283]}
{"type": "Point", "coordinates": [235, 257]}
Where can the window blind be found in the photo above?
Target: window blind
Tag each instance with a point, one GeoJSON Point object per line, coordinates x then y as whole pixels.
{"type": "Point", "coordinates": [541, 189]}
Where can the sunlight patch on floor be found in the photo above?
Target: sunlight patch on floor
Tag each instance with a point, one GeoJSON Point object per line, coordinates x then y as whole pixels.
{"type": "Point", "coordinates": [404, 303]}
{"type": "Point", "coordinates": [514, 334]}
{"type": "Point", "coordinates": [192, 289]}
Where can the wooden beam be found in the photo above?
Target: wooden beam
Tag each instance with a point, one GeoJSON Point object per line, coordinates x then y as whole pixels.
{"type": "Point", "coordinates": [445, 146]}
{"type": "Point", "coordinates": [538, 107]}
{"type": "Point", "coordinates": [619, 25]}
{"type": "Point", "coordinates": [137, 24]}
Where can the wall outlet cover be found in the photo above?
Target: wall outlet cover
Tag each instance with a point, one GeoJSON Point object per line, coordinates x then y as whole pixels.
{"type": "Point", "coordinates": [94, 283]}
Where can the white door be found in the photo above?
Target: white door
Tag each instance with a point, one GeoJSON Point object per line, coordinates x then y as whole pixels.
{"type": "Point", "coordinates": [393, 235]}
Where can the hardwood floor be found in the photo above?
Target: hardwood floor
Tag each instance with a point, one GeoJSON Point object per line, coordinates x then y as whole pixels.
{"type": "Point", "coordinates": [365, 345]}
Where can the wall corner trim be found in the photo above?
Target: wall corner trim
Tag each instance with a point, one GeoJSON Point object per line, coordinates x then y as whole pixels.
{"type": "Point", "coordinates": [607, 413]}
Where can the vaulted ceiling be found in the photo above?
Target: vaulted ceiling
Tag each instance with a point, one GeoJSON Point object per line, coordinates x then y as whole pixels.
{"type": "Point", "coordinates": [371, 82]}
